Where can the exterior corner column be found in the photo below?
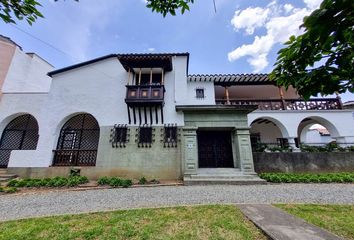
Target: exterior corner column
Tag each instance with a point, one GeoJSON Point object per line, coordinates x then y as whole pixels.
{"type": "Point", "coordinates": [244, 150]}
{"type": "Point", "coordinates": [292, 144]}
{"type": "Point", "coordinates": [190, 151]}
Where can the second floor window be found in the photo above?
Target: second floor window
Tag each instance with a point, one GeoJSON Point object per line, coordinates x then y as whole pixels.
{"type": "Point", "coordinates": [199, 93]}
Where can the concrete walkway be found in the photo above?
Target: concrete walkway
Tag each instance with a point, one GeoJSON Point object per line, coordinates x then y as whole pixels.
{"type": "Point", "coordinates": [279, 225]}
{"type": "Point", "coordinates": [16, 206]}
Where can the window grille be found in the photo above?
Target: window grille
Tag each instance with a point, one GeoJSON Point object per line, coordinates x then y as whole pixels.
{"type": "Point", "coordinates": [170, 135]}
{"type": "Point", "coordinates": [20, 134]}
{"type": "Point", "coordinates": [119, 135]}
{"type": "Point", "coordinates": [78, 142]}
{"type": "Point", "coordinates": [283, 142]}
{"type": "Point", "coordinates": [145, 136]}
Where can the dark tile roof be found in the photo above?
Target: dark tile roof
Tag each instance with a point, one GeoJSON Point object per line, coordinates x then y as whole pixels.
{"type": "Point", "coordinates": [121, 57]}
{"type": "Point", "coordinates": [232, 79]}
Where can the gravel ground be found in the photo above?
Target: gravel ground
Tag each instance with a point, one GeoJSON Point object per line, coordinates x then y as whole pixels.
{"type": "Point", "coordinates": [70, 202]}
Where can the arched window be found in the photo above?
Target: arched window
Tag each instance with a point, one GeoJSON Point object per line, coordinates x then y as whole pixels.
{"type": "Point", "coordinates": [20, 134]}
{"type": "Point", "coordinates": [78, 142]}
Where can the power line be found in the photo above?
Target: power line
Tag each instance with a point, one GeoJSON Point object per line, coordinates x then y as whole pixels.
{"type": "Point", "coordinates": [57, 49]}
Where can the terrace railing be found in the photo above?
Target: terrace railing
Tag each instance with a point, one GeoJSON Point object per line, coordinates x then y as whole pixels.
{"type": "Point", "coordinates": [286, 104]}
{"type": "Point", "coordinates": [72, 157]}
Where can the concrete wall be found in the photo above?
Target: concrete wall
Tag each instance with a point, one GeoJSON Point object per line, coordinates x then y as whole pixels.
{"type": "Point", "coordinates": [304, 162]}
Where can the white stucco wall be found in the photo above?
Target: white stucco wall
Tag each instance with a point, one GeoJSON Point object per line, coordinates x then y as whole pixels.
{"type": "Point", "coordinates": [98, 89]}
{"type": "Point", "coordinates": [209, 93]}
{"type": "Point", "coordinates": [27, 73]}
{"type": "Point", "coordinates": [340, 123]}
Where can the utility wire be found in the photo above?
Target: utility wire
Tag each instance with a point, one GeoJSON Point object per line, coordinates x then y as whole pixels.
{"type": "Point", "coordinates": [57, 49]}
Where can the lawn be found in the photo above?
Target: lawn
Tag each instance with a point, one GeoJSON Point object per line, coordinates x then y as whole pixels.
{"type": "Point", "coordinates": [338, 219]}
{"type": "Point", "coordinates": [199, 222]}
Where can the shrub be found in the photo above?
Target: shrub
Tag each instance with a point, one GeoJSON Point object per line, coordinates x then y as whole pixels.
{"type": "Point", "coordinates": [12, 183]}
{"type": "Point", "coordinates": [103, 181]}
{"type": "Point", "coordinates": [126, 183]}
{"type": "Point", "coordinates": [307, 178]}
{"type": "Point", "coordinates": [10, 190]}
{"type": "Point", "coordinates": [2, 189]}
{"type": "Point", "coordinates": [115, 182]}
{"type": "Point", "coordinates": [142, 181]}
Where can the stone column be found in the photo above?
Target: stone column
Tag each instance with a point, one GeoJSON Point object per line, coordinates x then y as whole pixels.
{"type": "Point", "coordinates": [244, 150]}
{"type": "Point", "coordinates": [190, 150]}
{"type": "Point", "coordinates": [291, 141]}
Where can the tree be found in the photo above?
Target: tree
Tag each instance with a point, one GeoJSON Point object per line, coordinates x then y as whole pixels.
{"type": "Point", "coordinates": [168, 6]}
{"type": "Point", "coordinates": [321, 60]}
{"type": "Point", "coordinates": [28, 9]}
{"type": "Point", "coordinates": [22, 9]}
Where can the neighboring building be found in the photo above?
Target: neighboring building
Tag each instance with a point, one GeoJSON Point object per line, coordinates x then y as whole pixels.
{"type": "Point", "coordinates": [142, 115]}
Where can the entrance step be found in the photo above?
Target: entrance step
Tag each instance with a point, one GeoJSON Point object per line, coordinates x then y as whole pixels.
{"type": "Point", "coordinates": [232, 176]}
{"type": "Point", "coordinates": [4, 176]}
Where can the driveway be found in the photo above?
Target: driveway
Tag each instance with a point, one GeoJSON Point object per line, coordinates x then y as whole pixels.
{"type": "Point", "coordinates": [72, 202]}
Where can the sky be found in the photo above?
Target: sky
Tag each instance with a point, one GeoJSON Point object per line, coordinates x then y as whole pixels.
{"type": "Point", "coordinates": [241, 36]}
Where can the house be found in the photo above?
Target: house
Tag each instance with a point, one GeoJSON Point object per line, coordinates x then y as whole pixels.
{"type": "Point", "coordinates": [137, 115]}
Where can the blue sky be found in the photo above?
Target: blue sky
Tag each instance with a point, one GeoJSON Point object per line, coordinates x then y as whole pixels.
{"type": "Point", "coordinates": [242, 36]}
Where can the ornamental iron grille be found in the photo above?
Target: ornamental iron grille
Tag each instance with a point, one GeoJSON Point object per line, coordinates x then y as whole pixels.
{"type": "Point", "coordinates": [145, 136]}
{"type": "Point", "coordinates": [119, 135]}
{"type": "Point", "coordinates": [170, 135]}
{"type": "Point", "coordinates": [78, 142]}
{"type": "Point", "coordinates": [20, 134]}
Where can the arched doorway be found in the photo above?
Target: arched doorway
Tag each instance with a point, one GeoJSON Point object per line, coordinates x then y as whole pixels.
{"type": "Point", "coordinates": [78, 142]}
{"type": "Point", "coordinates": [20, 134]}
{"type": "Point", "coordinates": [266, 132]}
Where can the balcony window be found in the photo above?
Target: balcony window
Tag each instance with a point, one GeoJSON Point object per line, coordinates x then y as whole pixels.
{"type": "Point", "coordinates": [145, 79]}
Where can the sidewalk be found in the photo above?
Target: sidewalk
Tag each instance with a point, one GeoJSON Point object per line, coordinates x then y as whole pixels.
{"type": "Point", "coordinates": [279, 225]}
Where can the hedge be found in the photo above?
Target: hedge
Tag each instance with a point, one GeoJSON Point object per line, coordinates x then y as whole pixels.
{"type": "Point", "coordinates": [308, 177]}
{"type": "Point", "coordinates": [48, 182]}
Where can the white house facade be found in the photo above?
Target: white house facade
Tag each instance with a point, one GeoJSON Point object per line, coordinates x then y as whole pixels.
{"type": "Point", "coordinates": [137, 115]}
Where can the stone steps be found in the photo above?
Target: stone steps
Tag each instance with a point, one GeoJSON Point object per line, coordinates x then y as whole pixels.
{"type": "Point", "coordinates": [4, 176]}
{"type": "Point", "coordinates": [215, 176]}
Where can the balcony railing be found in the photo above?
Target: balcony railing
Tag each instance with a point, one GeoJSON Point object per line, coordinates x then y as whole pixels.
{"type": "Point", "coordinates": [74, 157]}
{"type": "Point", "coordinates": [286, 104]}
{"type": "Point", "coordinates": [145, 95]}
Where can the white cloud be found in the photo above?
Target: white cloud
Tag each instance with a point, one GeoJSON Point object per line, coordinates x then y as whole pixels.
{"type": "Point", "coordinates": [151, 49]}
{"type": "Point", "coordinates": [250, 19]}
{"type": "Point", "coordinates": [280, 21]}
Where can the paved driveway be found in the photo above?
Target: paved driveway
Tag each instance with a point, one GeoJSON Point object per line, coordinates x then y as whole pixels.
{"type": "Point", "coordinates": [67, 202]}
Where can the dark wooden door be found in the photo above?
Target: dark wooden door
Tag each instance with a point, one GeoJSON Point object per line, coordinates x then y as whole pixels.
{"type": "Point", "coordinates": [215, 149]}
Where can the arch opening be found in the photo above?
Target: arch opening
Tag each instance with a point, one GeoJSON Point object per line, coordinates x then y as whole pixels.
{"type": "Point", "coordinates": [316, 131]}
{"type": "Point", "coordinates": [266, 133]}
{"type": "Point", "coordinates": [19, 134]}
{"type": "Point", "coordinates": [78, 142]}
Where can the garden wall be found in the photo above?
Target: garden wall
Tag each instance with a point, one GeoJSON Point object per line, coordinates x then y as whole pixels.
{"type": "Point", "coordinates": [304, 162]}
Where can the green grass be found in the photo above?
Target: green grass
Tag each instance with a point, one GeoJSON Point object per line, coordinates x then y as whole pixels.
{"type": "Point", "coordinates": [338, 219]}
{"type": "Point", "coordinates": [199, 222]}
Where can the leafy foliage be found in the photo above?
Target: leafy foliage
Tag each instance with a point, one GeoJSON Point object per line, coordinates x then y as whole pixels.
{"type": "Point", "coordinates": [21, 9]}
{"type": "Point", "coordinates": [320, 60]}
{"type": "Point", "coordinates": [308, 177]}
{"type": "Point", "coordinates": [115, 182]}
{"type": "Point", "coordinates": [168, 6]}
{"type": "Point", "coordinates": [55, 182]}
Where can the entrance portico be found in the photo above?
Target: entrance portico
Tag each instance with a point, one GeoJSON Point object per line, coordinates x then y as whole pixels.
{"type": "Point", "coordinates": [216, 145]}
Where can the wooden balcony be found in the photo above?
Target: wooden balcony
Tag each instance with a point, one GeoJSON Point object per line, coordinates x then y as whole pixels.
{"type": "Point", "coordinates": [286, 104]}
{"type": "Point", "coordinates": [145, 95]}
